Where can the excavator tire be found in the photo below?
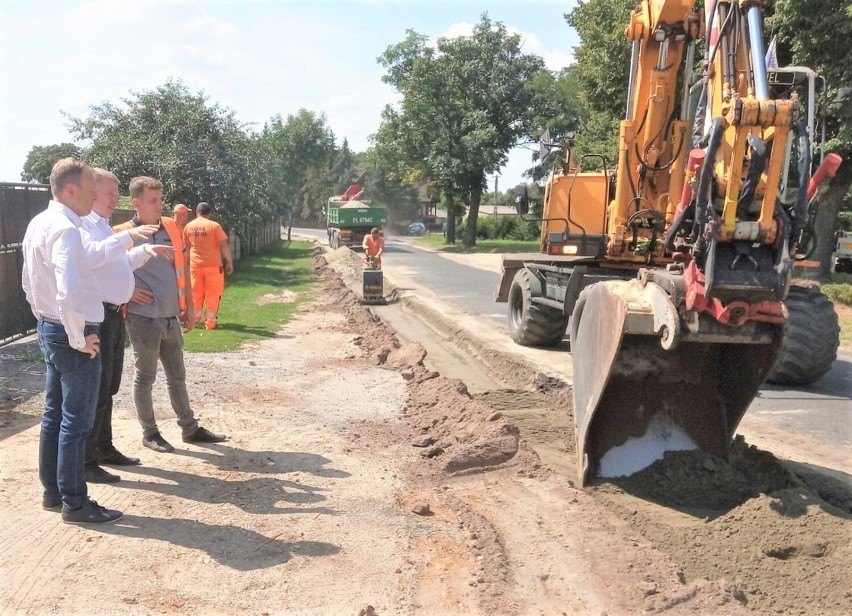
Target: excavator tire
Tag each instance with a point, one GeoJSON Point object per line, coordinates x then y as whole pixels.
{"type": "Point", "coordinates": [811, 338]}
{"type": "Point", "coordinates": [533, 324]}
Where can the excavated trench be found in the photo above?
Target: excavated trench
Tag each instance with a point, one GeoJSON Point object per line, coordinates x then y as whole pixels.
{"type": "Point", "coordinates": [781, 533]}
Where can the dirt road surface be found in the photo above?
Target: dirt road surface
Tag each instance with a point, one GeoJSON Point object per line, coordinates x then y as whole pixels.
{"type": "Point", "coordinates": [357, 479]}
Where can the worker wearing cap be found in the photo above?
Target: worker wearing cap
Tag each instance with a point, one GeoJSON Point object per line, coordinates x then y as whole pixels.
{"type": "Point", "coordinates": [209, 260]}
{"type": "Point", "coordinates": [181, 215]}
{"type": "Point", "coordinates": [374, 246]}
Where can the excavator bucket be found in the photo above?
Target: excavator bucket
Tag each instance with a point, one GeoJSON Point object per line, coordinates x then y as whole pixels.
{"type": "Point", "coordinates": [634, 399]}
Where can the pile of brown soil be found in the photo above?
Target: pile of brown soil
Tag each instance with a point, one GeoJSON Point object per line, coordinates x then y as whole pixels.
{"type": "Point", "coordinates": [455, 432]}
{"type": "Point", "coordinates": [764, 530]}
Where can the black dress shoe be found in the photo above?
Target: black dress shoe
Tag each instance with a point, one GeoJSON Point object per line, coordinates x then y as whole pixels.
{"type": "Point", "coordinates": [89, 513]}
{"type": "Point", "coordinates": [203, 435]}
{"type": "Point", "coordinates": [51, 503]}
{"type": "Point", "coordinates": [157, 443]}
{"type": "Point", "coordinates": [116, 458]}
{"type": "Point", "coordinates": [95, 474]}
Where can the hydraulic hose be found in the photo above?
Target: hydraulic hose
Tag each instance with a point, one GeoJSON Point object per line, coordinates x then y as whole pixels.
{"type": "Point", "coordinates": [703, 196]}
{"type": "Point", "coordinates": [755, 168]}
{"type": "Point", "coordinates": [800, 210]}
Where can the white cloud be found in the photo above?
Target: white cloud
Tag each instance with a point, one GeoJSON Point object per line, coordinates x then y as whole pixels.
{"type": "Point", "coordinates": [554, 59]}
{"type": "Point", "coordinates": [457, 30]}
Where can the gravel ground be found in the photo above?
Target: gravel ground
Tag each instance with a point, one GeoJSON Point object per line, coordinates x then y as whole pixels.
{"type": "Point", "coordinates": [356, 480]}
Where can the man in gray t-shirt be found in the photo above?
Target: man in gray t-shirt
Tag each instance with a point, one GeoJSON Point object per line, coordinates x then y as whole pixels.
{"type": "Point", "coordinates": [160, 303]}
{"type": "Point", "coordinates": [159, 279]}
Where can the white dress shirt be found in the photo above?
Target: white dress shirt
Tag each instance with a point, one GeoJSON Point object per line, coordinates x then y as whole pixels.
{"type": "Point", "coordinates": [112, 258]}
{"type": "Point", "coordinates": [57, 278]}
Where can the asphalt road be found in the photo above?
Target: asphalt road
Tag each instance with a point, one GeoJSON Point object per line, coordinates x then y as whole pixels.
{"type": "Point", "coordinates": [822, 411]}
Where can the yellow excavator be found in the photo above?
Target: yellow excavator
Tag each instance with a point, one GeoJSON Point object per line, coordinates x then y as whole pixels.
{"type": "Point", "coordinates": [672, 270]}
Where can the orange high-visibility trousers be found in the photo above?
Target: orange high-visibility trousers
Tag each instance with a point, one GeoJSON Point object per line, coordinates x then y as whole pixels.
{"type": "Point", "coordinates": [208, 284]}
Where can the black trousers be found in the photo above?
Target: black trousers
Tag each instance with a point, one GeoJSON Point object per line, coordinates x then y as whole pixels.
{"type": "Point", "coordinates": [112, 336]}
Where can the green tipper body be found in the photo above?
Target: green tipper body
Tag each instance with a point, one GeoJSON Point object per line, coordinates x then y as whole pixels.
{"type": "Point", "coordinates": [355, 218]}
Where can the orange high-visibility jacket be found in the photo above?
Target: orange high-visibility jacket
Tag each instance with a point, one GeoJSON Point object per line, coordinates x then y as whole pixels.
{"type": "Point", "coordinates": [176, 237]}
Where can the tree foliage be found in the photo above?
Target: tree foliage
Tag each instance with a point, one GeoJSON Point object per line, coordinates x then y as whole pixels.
{"type": "Point", "coordinates": [41, 159]}
{"type": "Point", "coordinates": [812, 33]}
{"type": "Point", "coordinates": [466, 102]}
{"type": "Point", "coordinates": [198, 150]}
{"type": "Point", "coordinates": [560, 111]}
{"type": "Point", "coordinates": [298, 153]}
{"type": "Point", "coordinates": [384, 185]}
{"type": "Point", "coordinates": [602, 70]}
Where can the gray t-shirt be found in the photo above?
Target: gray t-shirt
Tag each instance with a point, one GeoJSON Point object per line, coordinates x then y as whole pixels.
{"type": "Point", "coordinates": [158, 276]}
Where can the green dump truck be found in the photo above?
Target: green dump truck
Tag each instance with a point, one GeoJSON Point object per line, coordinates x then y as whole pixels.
{"type": "Point", "coordinates": [349, 219]}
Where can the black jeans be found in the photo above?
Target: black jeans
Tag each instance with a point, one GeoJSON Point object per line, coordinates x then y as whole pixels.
{"type": "Point", "coordinates": [113, 336]}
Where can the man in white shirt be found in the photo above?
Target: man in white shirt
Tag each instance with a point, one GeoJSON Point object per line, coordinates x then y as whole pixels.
{"type": "Point", "coordinates": [64, 296]}
{"type": "Point", "coordinates": [112, 259]}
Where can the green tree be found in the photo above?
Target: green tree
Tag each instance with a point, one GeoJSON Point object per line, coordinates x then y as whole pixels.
{"type": "Point", "coordinates": [560, 112]}
{"type": "Point", "coordinates": [198, 150]}
{"type": "Point", "coordinates": [298, 152]}
{"type": "Point", "coordinates": [465, 103]}
{"type": "Point", "coordinates": [41, 159]}
{"type": "Point", "coordinates": [343, 169]}
{"type": "Point", "coordinates": [811, 33]}
{"type": "Point", "coordinates": [602, 69]}
{"type": "Point", "coordinates": [384, 185]}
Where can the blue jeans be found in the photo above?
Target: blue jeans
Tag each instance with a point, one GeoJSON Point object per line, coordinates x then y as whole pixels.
{"type": "Point", "coordinates": [153, 340]}
{"type": "Point", "coordinates": [71, 394]}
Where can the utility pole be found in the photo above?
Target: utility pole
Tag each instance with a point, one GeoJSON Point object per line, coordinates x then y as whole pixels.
{"type": "Point", "coordinates": [496, 192]}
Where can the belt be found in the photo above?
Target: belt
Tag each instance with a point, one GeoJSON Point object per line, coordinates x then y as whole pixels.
{"type": "Point", "coordinates": [114, 307]}
{"type": "Point", "coordinates": [58, 322]}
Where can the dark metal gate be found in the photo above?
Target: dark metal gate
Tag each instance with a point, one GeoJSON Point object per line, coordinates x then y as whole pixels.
{"type": "Point", "coordinates": [19, 203]}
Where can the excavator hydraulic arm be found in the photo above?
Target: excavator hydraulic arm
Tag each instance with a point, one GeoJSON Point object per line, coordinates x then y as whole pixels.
{"type": "Point", "coordinates": [672, 359]}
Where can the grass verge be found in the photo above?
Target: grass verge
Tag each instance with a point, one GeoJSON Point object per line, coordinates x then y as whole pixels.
{"type": "Point", "coordinates": [841, 294]}
{"type": "Point", "coordinates": [436, 242]}
{"type": "Point", "coordinates": [260, 296]}
{"type": "Point", "coordinates": [844, 318]}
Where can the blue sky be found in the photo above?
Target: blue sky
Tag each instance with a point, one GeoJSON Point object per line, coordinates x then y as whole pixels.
{"type": "Point", "coordinates": [255, 58]}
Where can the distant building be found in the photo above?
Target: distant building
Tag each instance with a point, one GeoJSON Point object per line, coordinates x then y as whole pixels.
{"type": "Point", "coordinates": [492, 210]}
{"type": "Point", "coordinates": [428, 207]}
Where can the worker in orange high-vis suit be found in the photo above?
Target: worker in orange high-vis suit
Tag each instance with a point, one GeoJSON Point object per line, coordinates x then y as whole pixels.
{"type": "Point", "coordinates": [374, 246]}
{"type": "Point", "coordinates": [181, 215]}
{"type": "Point", "coordinates": [209, 260]}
